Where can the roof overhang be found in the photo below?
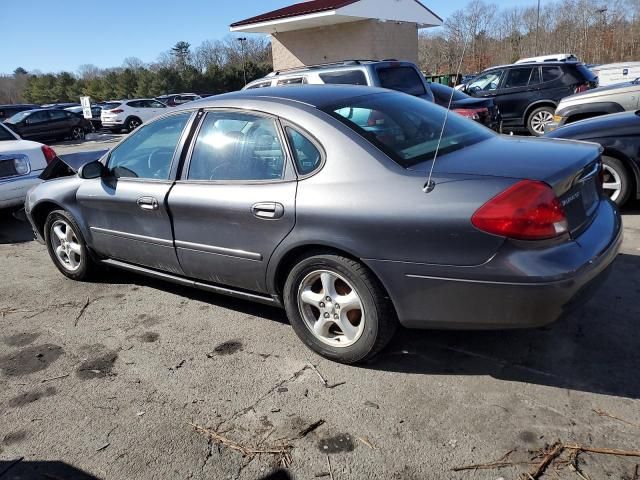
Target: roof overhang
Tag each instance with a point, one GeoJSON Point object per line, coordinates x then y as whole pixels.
{"type": "Point", "coordinates": [410, 11]}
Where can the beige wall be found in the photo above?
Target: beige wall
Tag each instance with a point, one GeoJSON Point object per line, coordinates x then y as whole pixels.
{"type": "Point", "coordinates": [367, 39]}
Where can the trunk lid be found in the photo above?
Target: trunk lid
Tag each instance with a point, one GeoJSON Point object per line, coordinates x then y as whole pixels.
{"type": "Point", "coordinates": [571, 168]}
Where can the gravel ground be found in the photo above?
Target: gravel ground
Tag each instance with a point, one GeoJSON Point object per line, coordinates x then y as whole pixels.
{"type": "Point", "coordinates": [106, 380]}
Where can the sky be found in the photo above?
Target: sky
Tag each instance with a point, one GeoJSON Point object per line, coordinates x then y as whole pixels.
{"type": "Point", "coordinates": [57, 35]}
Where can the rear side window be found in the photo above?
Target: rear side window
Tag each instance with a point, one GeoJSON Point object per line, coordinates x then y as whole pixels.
{"type": "Point", "coordinates": [292, 81]}
{"type": "Point", "coordinates": [551, 73]}
{"type": "Point", "coordinates": [237, 146]}
{"type": "Point", "coordinates": [402, 79]}
{"type": "Point", "coordinates": [58, 115]}
{"type": "Point", "coordinates": [305, 153]}
{"type": "Point", "coordinates": [345, 77]}
{"type": "Point", "coordinates": [260, 85]}
{"type": "Point", "coordinates": [517, 77]}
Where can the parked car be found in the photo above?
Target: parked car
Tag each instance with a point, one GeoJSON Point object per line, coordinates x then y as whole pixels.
{"type": "Point", "coordinates": [593, 103]}
{"type": "Point", "coordinates": [178, 99]}
{"type": "Point", "coordinates": [130, 114]}
{"type": "Point", "coordinates": [96, 115]}
{"type": "Point", "coordinates": [482, 110]}
{"type": "Point", "coordinates": [612, 73]}
{"type": "Point", "coordinates": [401, 76]}
{"type": "Point", "coordinates": [277, 196]}
{"type": "Point", "coordinates": [49, 124]}
{"type": "Point", "coordinates": [528, 94]}
{"type": "Point", "coordinates": [7, 111]}
{"type": "Point", "coordinates": [619, 135]}
{"type": "Point", "coordinates": [21, 163]}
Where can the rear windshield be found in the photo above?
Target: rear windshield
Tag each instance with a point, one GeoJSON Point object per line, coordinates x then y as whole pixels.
{"type": "Point", "coordinates": [586, 73]}
{"type": "Point", "coordinates": [403, 79]}
{"type": "Point", "coordinates": [407, 128]}
{"type": "Point", "coordinates": [111, 105]}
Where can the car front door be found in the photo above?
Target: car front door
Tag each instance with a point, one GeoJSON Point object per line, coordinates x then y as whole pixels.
{"type": "Point", "coordinates": [235, 200]}
{"type": "Point", "coordinates": [126, 210]}
{"type": "Point", "coordinates": [37, 125]}
{"type": "Point", "coordinates": [517, 91]}
{"type": "Point", "coordinates": [150, 109]}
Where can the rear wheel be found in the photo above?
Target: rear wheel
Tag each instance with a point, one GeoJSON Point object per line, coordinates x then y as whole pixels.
{"type": "Point", "coordinates": [338, 308]}
{"type": "Point", "coordinates": [616, 185]}
{"type": "Point", "coordinates": [67, 247]}
{"type": "Point", "coordinates": [538, 118]}
{"type": "Point", "coordinates": [77, 133]}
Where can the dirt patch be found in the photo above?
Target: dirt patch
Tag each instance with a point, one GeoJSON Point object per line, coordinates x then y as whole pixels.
{"type": "Point", "coordinates": [228, 348]}
{"type": "Point", "coordinates": [337, 444]}
{"type": "Point", "coordinates": [97, 367]}
{"type": "Point", "coordinates": [150, 337]}
{"type": "Point", "coordinates": [30, 397]}
{"type": "Point", "coordinates": [527, 437]}
{"type": "Point", "coordinates": [21, 339]}
{"type": "Point", "coordinates": [15, 437]}
{"type": "Point", "coordinates": [30, 360]}
{"type": "Point", "coordinates": [148, 320]}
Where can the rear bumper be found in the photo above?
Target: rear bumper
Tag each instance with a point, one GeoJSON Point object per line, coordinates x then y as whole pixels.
{"type": "Point", "coordinates": [13, 191]}
{"type": "Point", "coordinates": [517, 288]}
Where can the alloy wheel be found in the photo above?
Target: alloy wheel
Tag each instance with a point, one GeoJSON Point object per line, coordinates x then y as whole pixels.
{"type": "Point", "coordinates": [66, 246]}
{"type": "Point", "coordinates": [539, 120]}
{"type": "Point", "coordinates": [133, 124]}
{"type": "Point", "coordinates": [331, 308]}
{"type": "Point", "coordinates": [77, 133]}
{"type": "Point", "coordinates": [612, 184]}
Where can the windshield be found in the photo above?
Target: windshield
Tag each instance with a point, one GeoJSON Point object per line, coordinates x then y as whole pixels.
{"type": "Point", "coordinates": [407, 128]}
{"type": "Point", "coordinates": [5, 134]}
{"type": "Point", "coordinates": [18, 117]}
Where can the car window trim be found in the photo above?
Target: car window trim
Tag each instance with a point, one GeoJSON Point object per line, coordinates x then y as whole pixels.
{"type": "Point", "coordinates": [288, 170]}
{"type": "Point", "coordinates": [179, 148]}
{"type": "Point", "coordinates": [323, 155]}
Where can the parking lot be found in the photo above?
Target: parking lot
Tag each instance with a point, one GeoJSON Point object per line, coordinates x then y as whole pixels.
{"type": "Point", "coordinates": [124, 378]}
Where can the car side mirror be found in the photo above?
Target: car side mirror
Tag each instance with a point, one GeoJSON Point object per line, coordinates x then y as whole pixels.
{"type": "Point", "coordinates": [92, 170]}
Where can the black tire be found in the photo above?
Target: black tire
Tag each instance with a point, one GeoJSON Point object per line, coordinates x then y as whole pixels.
{"type": "Point", "coordinates": [613, 167]}
{"type": "Point", "coordinates": [77, 133]}
{"type": "Point", "coordinates": [380, 317]}
{"type": "Point", "coordinates": [133, 123]}
{"type": "Point", "coordinates": [87, 266]}
{"type": "Point", "coordinates": [532, 124]}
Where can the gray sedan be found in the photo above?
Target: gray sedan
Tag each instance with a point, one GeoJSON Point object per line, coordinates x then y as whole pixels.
{"type": "Point", "coordinates": [317, 199]}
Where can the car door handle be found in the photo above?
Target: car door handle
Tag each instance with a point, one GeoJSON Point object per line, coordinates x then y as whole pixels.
{"type": "Point", "coordinates": [148, 203]}
{"type": "Point", "coordinates": [268, 210]}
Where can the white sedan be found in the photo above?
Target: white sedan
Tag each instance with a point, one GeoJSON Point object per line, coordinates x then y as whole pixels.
{"type": "Point", "coordinates": [21, 163]}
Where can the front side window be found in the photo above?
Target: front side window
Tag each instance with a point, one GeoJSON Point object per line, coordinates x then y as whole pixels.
{"type": "Point", "coordinates": [148, 152]}
{"type": "Point", "coordinates": [402, 79]}
{"type": "Point", "coordinates": [344, 77]}
{"type": "Point", "coordinates": [486, 83]}
{"type": "Point", "coordinates": [518, 77]}
{"type": "Point", "coordinates": [406, 128]}
{"type": "Point", "coordinates": [234, 146]}
{"type": "Point", "coordinates": [305, 153]}
{"type": "Point", "coordinates": [38, 117]}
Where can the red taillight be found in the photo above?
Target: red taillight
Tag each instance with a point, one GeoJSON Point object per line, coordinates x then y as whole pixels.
{"type": "Point", "coordinates": [472, 113]}
{"type": "Point", "coordinates": [119, 110]}
{"type": "Point", "coordinates": [582, 88]}
{"type": "Point", "coordinates": [49, 153]}
{"type": "Point", "coordinates": [526, 211]}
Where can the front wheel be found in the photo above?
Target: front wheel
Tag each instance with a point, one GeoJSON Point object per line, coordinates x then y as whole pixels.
{"type": "Point", "coordinates": [132, 124]}
{"type": "Point", "coordinates": [77, 133]}
{"type": "Point", "coordinates": [338, 308]}
{"type": "Point", "coordinates": [67, 247]}
{"type": "Point", "coordinates": [538, 119]}
{"type": "Point", "coordinates": [616, 184]}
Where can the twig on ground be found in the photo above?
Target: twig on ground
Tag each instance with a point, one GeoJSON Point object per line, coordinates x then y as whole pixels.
{"type": "Point", "coordinates": [602, 413]}
{"type": "Point", "coordinates": [549, 456]}
{"type": "Point", "coordinates": [322, 379]}
{"type": "Point", "coordinates": [330, 469]}
{"type": "Point", "coordinates": [54, 378]}
{"type": "Point", "coordinates": [367, 443]}
{"type": "Point", "coordinates": [282, 450]}
{"type": "Point", "coordinates": [635, 473]}
{"type": "Point", "coordinates": [334, 385]}
{"type": "Point", "coordinates": [500, 463]}
{"type": "Point", "coordinates": [81, 312]}
{"type": "Point", "coordinates": [604, 451]}
{"type": "Point", "coordinates": [310, 428]}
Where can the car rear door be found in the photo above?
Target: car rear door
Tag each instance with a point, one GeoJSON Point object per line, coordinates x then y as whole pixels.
{"type": "Point", "coordinates": [235, 200]}
{"type": "Point", "coordinates": [60, 123]}
{"type": "Point", "coordinates": [126, 211]}
{"type": "Point", "coordinates": [149, 109]}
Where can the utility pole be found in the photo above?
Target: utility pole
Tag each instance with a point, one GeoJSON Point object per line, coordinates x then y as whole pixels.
{"type": "Point", "coordinates": [243, 41]}
{"type": "Point", "coordinates": [538, 31]}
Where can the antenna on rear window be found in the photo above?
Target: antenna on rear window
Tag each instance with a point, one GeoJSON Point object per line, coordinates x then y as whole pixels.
{"type": "Point", "coordinates": [430, 185]}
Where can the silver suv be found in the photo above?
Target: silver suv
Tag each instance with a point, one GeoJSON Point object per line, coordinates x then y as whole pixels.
{"type": "Point", "coordinates": [392, 74]}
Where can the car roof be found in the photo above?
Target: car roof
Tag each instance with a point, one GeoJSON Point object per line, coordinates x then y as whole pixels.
{"type": "Point", "coordinates": [314, 95]}
{"type": "Point", "coordinates": [530, 64]}
{"type": "Point", "coordinates": [343, 65]}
